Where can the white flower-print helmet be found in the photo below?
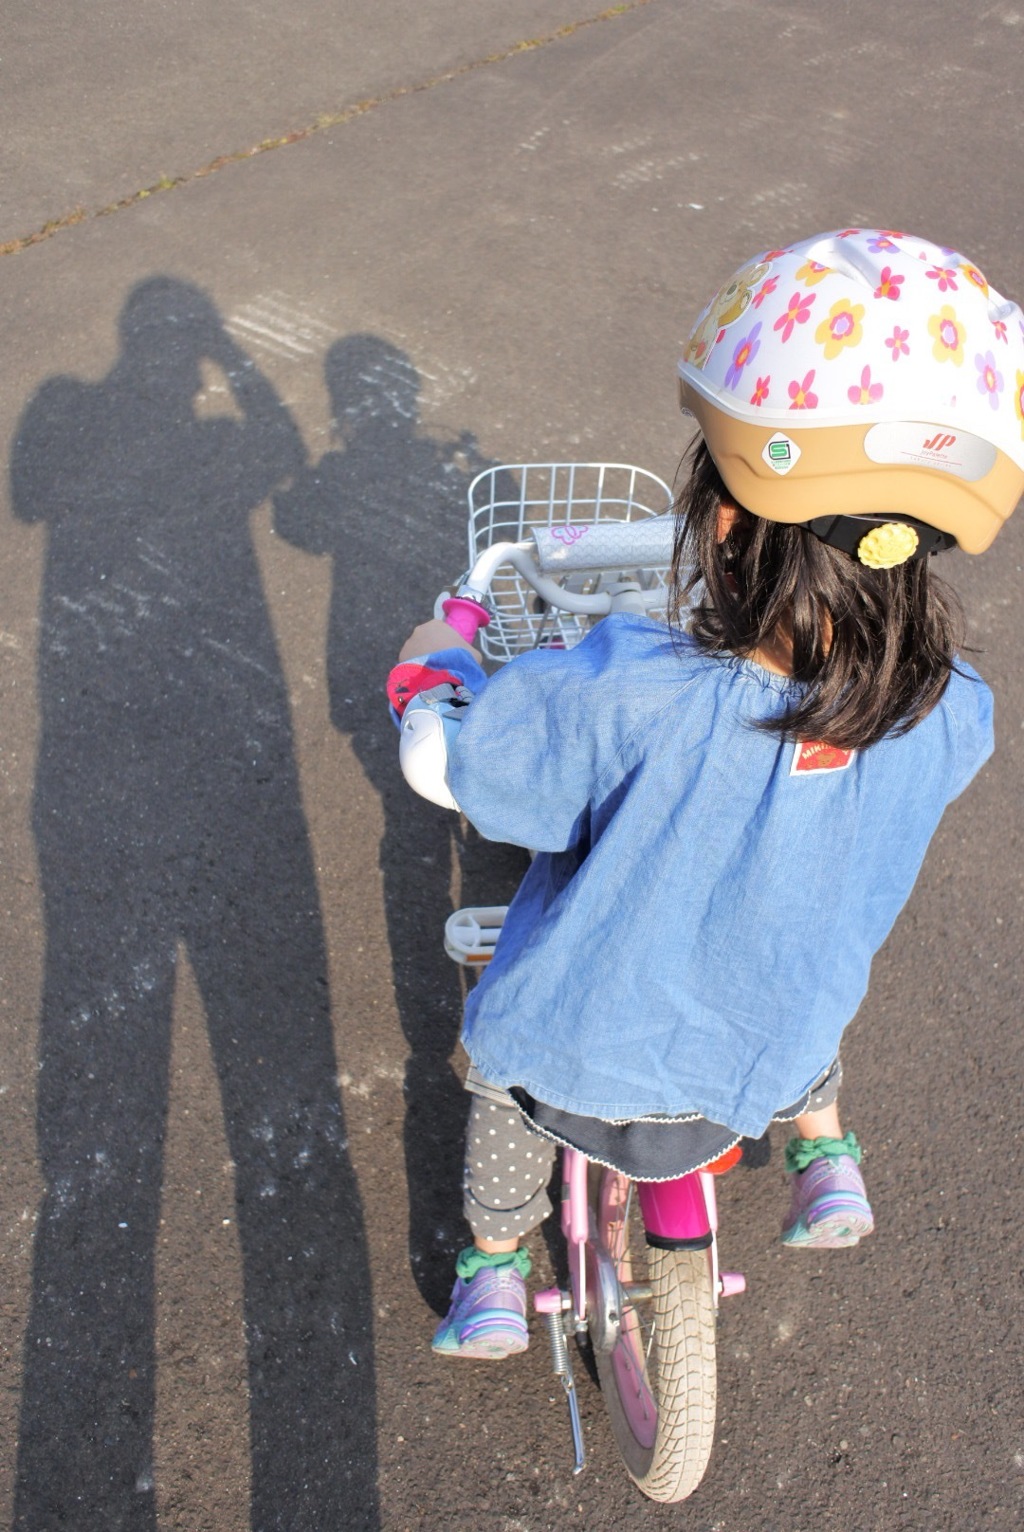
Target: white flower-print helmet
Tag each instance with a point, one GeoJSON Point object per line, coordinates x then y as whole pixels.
{"type": "Point", "coordinates": [864, 373]}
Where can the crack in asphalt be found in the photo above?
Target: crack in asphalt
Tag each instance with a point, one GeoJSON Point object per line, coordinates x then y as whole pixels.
{"type": "Point", "coordinates": [322, 124]}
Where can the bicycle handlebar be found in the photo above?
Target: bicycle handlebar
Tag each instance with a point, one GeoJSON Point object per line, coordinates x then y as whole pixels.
{"type": "Point", "coordinates": [605, 546]}
{"type": "Point", "coordinates": [601, 548]}
{"type": "Point", "coordinates": [465, 615]}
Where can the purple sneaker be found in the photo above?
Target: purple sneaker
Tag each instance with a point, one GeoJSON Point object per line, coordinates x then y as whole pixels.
{"type": "Point", "coordinates": [829, 1207]}
{"type": "Point", "coordinates": [487, 1315]}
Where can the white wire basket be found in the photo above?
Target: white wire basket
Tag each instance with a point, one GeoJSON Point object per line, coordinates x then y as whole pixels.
{"type": "Point", "coordinates": [507, 503]}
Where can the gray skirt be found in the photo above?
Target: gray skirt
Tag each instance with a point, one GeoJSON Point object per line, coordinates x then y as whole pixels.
{"type": "Point", "coordinates": [649, 1148]}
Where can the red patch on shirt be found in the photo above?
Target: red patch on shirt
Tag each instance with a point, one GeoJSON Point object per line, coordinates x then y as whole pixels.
{"type": "Point", "coordinates": [815, 755]}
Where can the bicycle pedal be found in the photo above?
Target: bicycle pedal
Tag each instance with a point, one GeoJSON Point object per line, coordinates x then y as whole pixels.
{"type": "Point", "coordinates": [470, 935]}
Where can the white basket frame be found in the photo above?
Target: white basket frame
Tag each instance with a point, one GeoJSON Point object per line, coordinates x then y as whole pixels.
{"type": "Point", "coordinates": [509, 501]}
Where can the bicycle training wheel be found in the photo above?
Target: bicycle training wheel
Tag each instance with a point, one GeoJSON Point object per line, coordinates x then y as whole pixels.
{"type": "Point", "coordinates": [657, 1364]}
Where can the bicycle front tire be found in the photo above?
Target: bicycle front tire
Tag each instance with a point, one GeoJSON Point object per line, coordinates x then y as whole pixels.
{"type": "Point", "coordinates": [658, 1379]}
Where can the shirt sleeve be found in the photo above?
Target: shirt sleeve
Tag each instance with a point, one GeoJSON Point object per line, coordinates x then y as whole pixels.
{"type": "Point", "coordinates": [462, 664]}
{"type": "Point", "coordinates": [975, 739]}
{"type": "Point", "coordinates": [536, 740]}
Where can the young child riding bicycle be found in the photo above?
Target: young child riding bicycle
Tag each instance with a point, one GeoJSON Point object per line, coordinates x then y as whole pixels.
{"type": "Point", "coordinates": [728, 813]}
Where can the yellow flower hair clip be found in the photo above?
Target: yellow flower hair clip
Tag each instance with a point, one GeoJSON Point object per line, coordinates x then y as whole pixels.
{"type": "Point", "coordinates": [886, 546]}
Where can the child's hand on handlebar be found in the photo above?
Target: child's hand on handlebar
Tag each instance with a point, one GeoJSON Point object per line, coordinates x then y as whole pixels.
{"type": "Point", "coordinates": [431, 636]}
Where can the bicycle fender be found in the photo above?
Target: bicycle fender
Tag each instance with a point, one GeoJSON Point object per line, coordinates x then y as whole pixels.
{"type": "Point", "coordinates": [675, 1212]}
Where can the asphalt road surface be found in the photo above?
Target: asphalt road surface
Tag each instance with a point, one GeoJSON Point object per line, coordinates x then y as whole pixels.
{"type": "Point", "coordinates": [275, 283]}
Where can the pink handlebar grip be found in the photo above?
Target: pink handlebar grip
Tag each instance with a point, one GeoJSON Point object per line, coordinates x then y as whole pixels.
{"type": "Point", "coordinates": [465, 616]}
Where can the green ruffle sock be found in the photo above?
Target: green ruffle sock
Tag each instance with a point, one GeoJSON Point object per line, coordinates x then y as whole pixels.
{"type": "Point", "coordinates": [800, 1152]}
{"type": "Point", "coordinates": [471, 1260]}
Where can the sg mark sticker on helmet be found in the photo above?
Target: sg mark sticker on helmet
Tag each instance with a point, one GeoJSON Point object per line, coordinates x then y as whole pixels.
{"type": "Point", "coordinates": [781, 453]}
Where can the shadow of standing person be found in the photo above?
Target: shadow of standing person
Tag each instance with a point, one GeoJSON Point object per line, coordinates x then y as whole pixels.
{"type": "Point", "coordinates": [167, 814]}
{"type": "Point", "coordinates": [389, 507]}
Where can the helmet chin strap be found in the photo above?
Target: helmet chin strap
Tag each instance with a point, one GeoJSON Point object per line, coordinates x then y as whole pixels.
{"type": "Point", "coordinates": [879, 540]}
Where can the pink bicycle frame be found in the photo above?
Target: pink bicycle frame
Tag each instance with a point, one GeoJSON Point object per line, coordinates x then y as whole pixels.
{"type": "Point", "coordinates": [683, 1212]}
{"type": "Point", "coordinates": [680, 1214]}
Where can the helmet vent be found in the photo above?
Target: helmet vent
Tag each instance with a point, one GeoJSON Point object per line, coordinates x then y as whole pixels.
{"type": "Point", "coordinates": [1001, 311]}
{"type": "Point", "coordinates": [849, 261]}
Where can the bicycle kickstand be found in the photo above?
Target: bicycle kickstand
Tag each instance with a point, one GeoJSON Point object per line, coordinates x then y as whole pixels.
{"type": "Point", "coordinates": [562, 1364]}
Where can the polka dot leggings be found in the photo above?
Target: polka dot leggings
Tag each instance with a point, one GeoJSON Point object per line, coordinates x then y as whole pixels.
{"type": "Point", "coordinates": [508, 1166]}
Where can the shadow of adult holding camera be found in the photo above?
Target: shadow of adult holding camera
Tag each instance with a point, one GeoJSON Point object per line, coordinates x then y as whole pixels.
{"type": "Point", "coordinates": [167, 817]}
{"type": "Point", "coordinates": [388, 506]}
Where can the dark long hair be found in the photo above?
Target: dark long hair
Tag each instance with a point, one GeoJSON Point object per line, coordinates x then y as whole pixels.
{"type": "Point", "coordinates": [874, 648]}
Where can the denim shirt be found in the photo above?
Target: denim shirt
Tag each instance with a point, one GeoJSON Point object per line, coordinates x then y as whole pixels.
{"type": "Point", "coordinates": [699, 923]}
